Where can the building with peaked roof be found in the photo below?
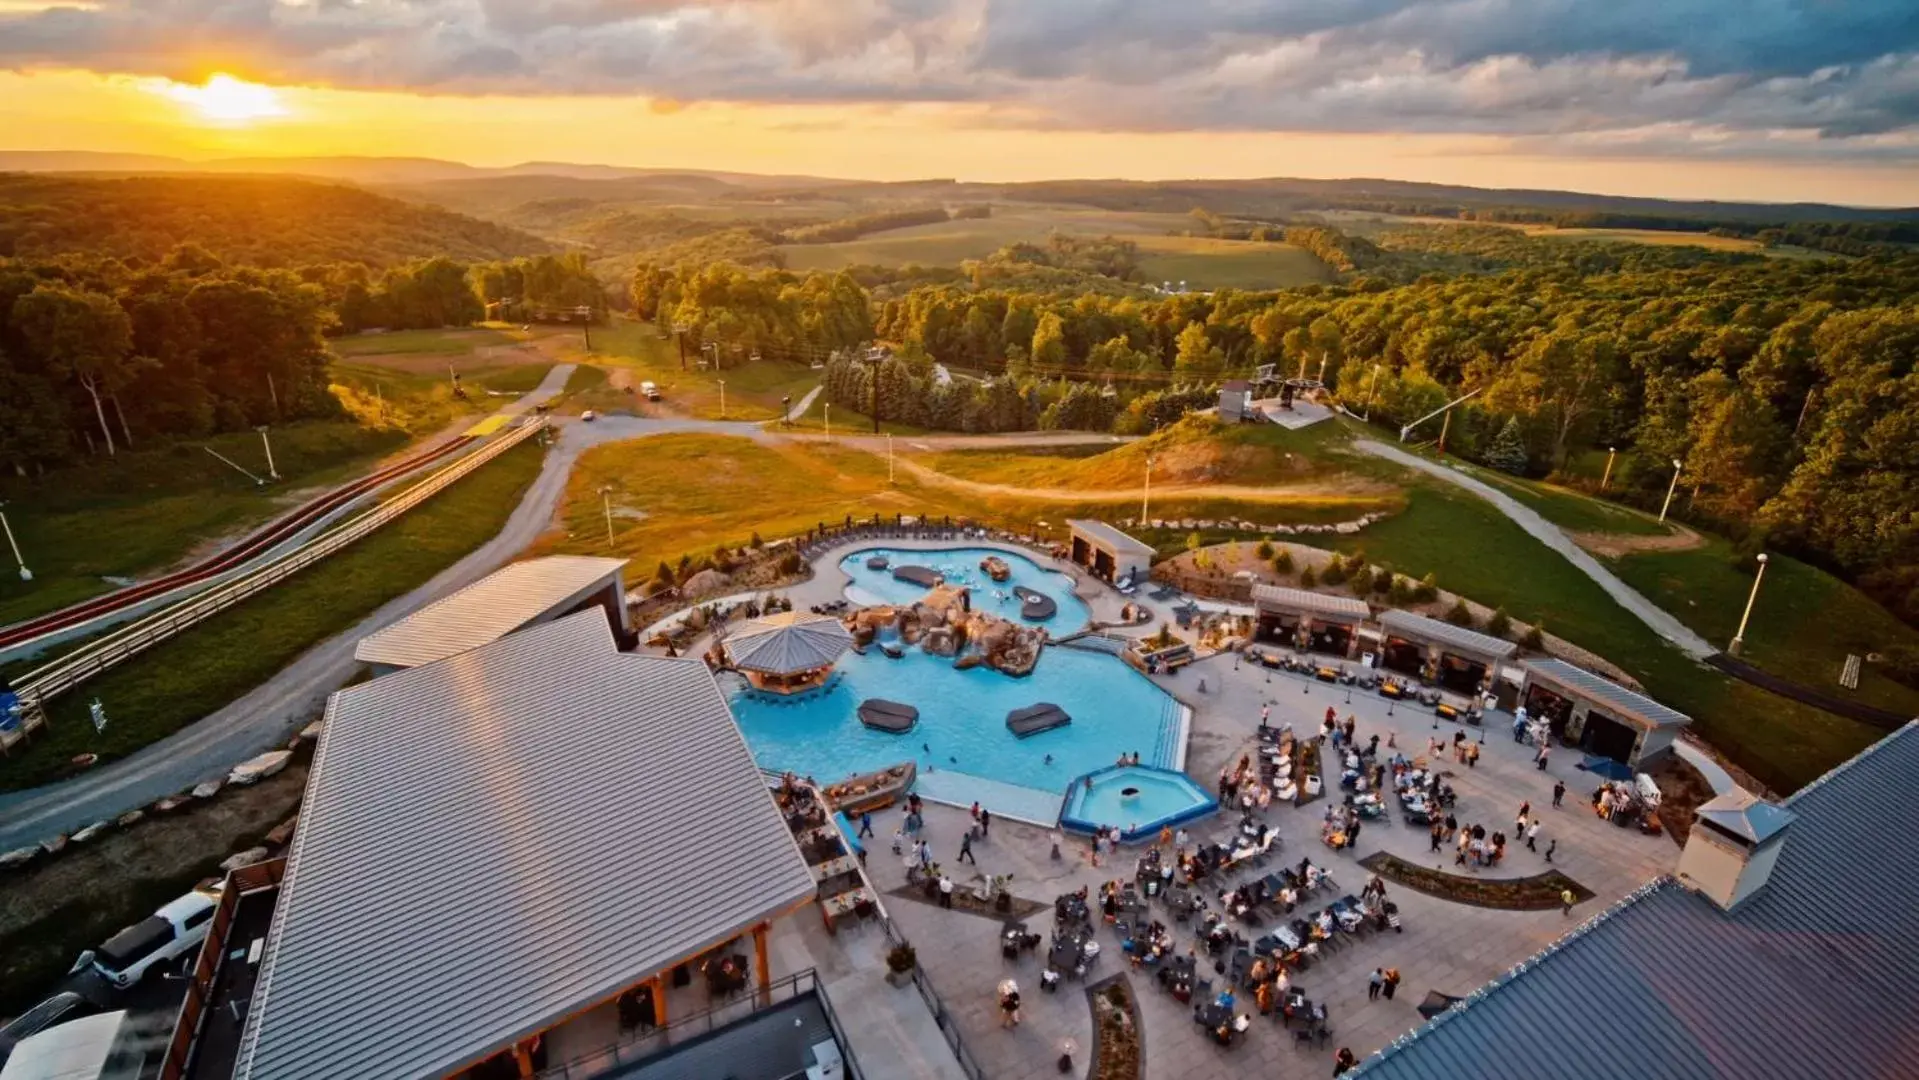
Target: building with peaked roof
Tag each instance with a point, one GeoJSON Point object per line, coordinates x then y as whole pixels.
{"type": "Point", "coordinates": [787, 652]}
{"type": "Point", "coordinates": [500, 844]}
{"type": "Point", "coordinates": [1599, 715]}
{"type": "Point", "coordinates": [1308, 620]}
{"type": "Point", "coordinates": [1783, 948]}
{"type": "Point", "coordinates": [1458, 659]}
{"type": "Point", "coordinates": [1109, 553]}
{"type": "Point", "coordinates": [516, 596]}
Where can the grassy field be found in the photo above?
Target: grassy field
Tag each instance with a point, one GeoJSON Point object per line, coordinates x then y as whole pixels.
{"type": "Point", "coordinates": [632, 352]}
{"type": "Point", "coordinates": [1474, 550]}
{"type": "Point", "coordinates": [1572, 510]}
{"type": "Point", "coordinates": [1803, 625]}
{"type": "Point", "coordinates": [145, 511]}
{"type": "Point", "coordinates": [1202, 262]}
{"type": "Point", "coordinates": [1657, 237]}
{"type": "Point", "coordinates": [424, 342]}
{"type": "Point", "coordinates": [199, 671]}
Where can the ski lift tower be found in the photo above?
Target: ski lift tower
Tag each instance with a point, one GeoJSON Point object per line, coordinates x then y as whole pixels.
{"type": "Point", "coordinates": [1446, 425]}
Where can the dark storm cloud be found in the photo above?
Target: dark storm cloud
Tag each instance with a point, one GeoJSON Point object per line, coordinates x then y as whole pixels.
{"type": "Point", "coordinates": [1838, 75]}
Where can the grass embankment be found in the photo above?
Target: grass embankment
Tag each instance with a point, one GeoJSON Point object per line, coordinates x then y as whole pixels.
{"type": "Point", "coordinates": [676, 495]}
{"type": "Point", "coordinates": [1573, 511]}
{"type": "Point", "coordinates": [1197, 450]}
{"type": "Point", "coordinates": [1476, 551]}
{"type": "Point", "coordinates": [189, 676]}
{"type": "Point", "coordinates": [429, 343]}
{"type": "Point", "coordinates": [1804, 623]}
{"type": "Point", "coordinates": [50, 912]}
{"type": "Point", "coordinates": [145, 510]}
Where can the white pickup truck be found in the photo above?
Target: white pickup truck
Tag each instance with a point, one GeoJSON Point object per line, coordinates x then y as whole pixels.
{"type": "Point", "coordinates": [650, 391]}
{"type": "Point", "coordinates": [164, 936]}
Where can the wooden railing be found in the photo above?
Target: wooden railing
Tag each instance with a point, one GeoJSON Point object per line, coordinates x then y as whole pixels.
{"type": "Point", "coordinates": [247, 879]}
{"type": "Point", "coordinates": [40, 686]}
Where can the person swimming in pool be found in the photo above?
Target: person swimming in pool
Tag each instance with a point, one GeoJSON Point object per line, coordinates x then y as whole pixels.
{"type": "Point", "coordinates": [1049, 759]}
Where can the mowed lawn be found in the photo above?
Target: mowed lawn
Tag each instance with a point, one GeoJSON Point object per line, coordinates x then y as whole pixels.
{"type": "Point", "coordinates": [146, 510]}
{"type": "Point", "coordinates": [197, 672]}
{"type": "Point", "coordinates": [1474, 550]}
{"type": "Point", "coordinates": [1205, 263]}
{"type": "Point", "coordinates": [1572, 510]}
{"type": "Point", "coordinates": [1804, 622]}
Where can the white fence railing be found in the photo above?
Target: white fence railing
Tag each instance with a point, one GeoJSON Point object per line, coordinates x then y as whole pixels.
{"type": "Point", "coordinates": [40, 686]}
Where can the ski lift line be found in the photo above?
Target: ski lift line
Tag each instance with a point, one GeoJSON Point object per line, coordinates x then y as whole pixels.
{"type": "Point", "coordinates": [43, 684]}
{"type": "Point", "coordinates": [1408, 429]}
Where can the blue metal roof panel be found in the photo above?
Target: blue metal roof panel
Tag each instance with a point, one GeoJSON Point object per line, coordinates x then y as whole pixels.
{"type": "Point", "coordinates": [1808, 978]}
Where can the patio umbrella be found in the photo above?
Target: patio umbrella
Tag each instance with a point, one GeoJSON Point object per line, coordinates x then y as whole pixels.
{"type": "Point", "coordinates": [1436, 1003]}
{"type": "Point", "coordinates": [1606, 768]}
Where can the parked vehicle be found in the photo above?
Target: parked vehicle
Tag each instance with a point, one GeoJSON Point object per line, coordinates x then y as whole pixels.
{"type": "Point", "coordinates": [164, 936]}
{"type": "Point", "coordinates": [50, 1013]}
{"type": "Point", "coordinates": [651, 391]}
{"type": "Point", "coordinates": [589, 416]}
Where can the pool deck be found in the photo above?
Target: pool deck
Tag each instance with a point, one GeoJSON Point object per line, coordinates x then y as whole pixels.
{"type": "Point", "coordinates": [1445, 946]}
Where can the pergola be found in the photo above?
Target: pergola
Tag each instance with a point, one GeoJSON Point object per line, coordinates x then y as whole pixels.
{"type": "Point", "coordinates": [788, 652]}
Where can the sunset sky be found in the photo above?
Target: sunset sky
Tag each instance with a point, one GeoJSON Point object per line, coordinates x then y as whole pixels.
{"type": "Point", "coordinates": [1732, 99]}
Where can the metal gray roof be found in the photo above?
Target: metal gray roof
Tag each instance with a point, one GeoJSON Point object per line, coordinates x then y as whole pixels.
{"type": "Point", "coordinates": [1446, 635]}
{"type": "Point", "coordinates": [1607, 693]}
{"type": "Point", "coordinates": [494, 841]}
{"type": "Point", "coordinates": [787, 643]}
{"type": "Point", "coordinates": [1108, 536]}
{"type": "Point", "coordinates": [487, 610]}
{"type": "Point", "coordinates": [1809, 978]}
{"type": "Point", "coordinates": [1746, 816]}
{"type": "Point", "coordinates": [1344, 607]}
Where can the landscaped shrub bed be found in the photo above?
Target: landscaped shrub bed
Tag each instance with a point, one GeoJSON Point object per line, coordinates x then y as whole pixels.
{"type": "Point", "coordinates": [1541, 892]}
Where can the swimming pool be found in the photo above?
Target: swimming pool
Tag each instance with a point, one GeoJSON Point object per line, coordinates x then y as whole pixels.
{"type": "Point", "coordinates": [960, 566]}
{"type": "Point", "coordinates": [1136, 800]}
{"type": "Point", "coordinates": [962, 719]}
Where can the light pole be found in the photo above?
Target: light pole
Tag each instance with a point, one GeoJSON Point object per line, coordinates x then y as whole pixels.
{"type": "Point", "coordinates": [1611, 452]}
{"type": "Point", "coordinates": [272, 473]}
{"type": "Point", "coordinates": [1670, 488]}
{"type": "Point", "coordinates": [829, 421]}
{"type": "Point", "coordinates": [1372, 386]}
{"type": "Point", "coordinates": [1739, 639]}
{"type": "Point", "coordinates": [25, 574]}
{"type": "Point", "coordinates": [1146, 491]}
{"type": "Point", "coordinates": [889, 459]}
{"type": "Point", "coordinates": [722, 399]}
{"type": "Point", "coordinates": [606, 503]}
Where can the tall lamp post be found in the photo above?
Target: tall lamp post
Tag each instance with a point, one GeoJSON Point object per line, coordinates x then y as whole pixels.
{"type": "Point", "coordinates": [1611, 452]}
{"type": "Point", "coordinates": [829, 421]}
{"type": "Point", "coordinates": [272, 473]}
{"type": "Point", "coordinates": [1739, 639]}
{"type": "Point", "coordinates": [25, 574]}
{"type": "Point", "coordinates": [1670, 488]}
{"type": "Point", "coordinates": [722, 399]}
{"type": "Point", "coordinates": [606, 504]}
{"type": "Point", "coordinates": [889, 459]}
{"type": "Point", "coordinates": [1146, 491]}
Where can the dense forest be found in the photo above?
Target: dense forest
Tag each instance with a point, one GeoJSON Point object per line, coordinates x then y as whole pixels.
{"type": "Point", "coordinates": [271, 222]}
{"type": "Point", "coordinates": [1788, 389]}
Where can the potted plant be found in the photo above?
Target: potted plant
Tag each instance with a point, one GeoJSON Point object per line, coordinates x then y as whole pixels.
{"type": "Point", "coordinates": [900, 960]}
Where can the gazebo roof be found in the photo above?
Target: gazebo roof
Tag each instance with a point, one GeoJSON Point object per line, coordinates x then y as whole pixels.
{"type": "Point", "coordinates": [787, 643]}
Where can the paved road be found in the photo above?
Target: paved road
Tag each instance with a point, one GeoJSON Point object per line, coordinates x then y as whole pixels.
{"type": "Point", "coordinates": [266, 717]}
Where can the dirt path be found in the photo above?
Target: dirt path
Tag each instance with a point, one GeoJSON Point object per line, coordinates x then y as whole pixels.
{"type": "Point", "coordinates": [1614, 545]}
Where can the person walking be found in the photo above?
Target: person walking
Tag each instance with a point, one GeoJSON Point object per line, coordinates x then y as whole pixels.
{"type": "Point", "coordinates": [1566, 899]}
{"type": "Point", "coordinates": [966, 849]}
{"type": "Point", "coordinates": [1392, 982]}
{"type": "Point", "coordinates": [1540, 761]}
{"type": "Point", "coordinates": [1438, 831]}
{"type": "Point", "coordinates": [946, 891]}
{"type": "Point", "coordinates": [1532, 837]}
{"type": "Point", "coordinates": [1559, 792]}
{"type": "Point", "coordinates": [1165, 837]}
{"type": "Point", "coordinates": [1374, 983]}
{"type": "Point", "coordinates": [1097, 838]}
{"type": "Point", "coordinates": [1550, 848]}
{"type": "Point", "coordinates": [925, 851]}
{"type": "Point", "coordinates": [985, 821]}
{"type": "Point", "coordinates": [1344, 1061]}
{"type": "Point", "coordinates": [866, 825]}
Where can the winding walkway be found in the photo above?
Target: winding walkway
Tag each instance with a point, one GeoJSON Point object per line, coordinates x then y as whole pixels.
{"type": "Point", "coordinates": [1656, 618]}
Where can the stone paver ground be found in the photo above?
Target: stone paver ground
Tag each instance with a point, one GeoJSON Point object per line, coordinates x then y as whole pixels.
{"type": "Point", "coordinates": [1445, 946]}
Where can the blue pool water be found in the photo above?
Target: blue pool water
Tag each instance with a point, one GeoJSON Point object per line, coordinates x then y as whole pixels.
{"type": "Point", "coordinates": [1138, 801]}
{"type": "Point", "coordinates": [960, 566]}
{"type": "Point", "coordinates": [1115, 711]}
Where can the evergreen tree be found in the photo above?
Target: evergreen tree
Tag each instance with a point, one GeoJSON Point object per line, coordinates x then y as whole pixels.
{"type": "Point", "coordinates": [1508, 452]}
